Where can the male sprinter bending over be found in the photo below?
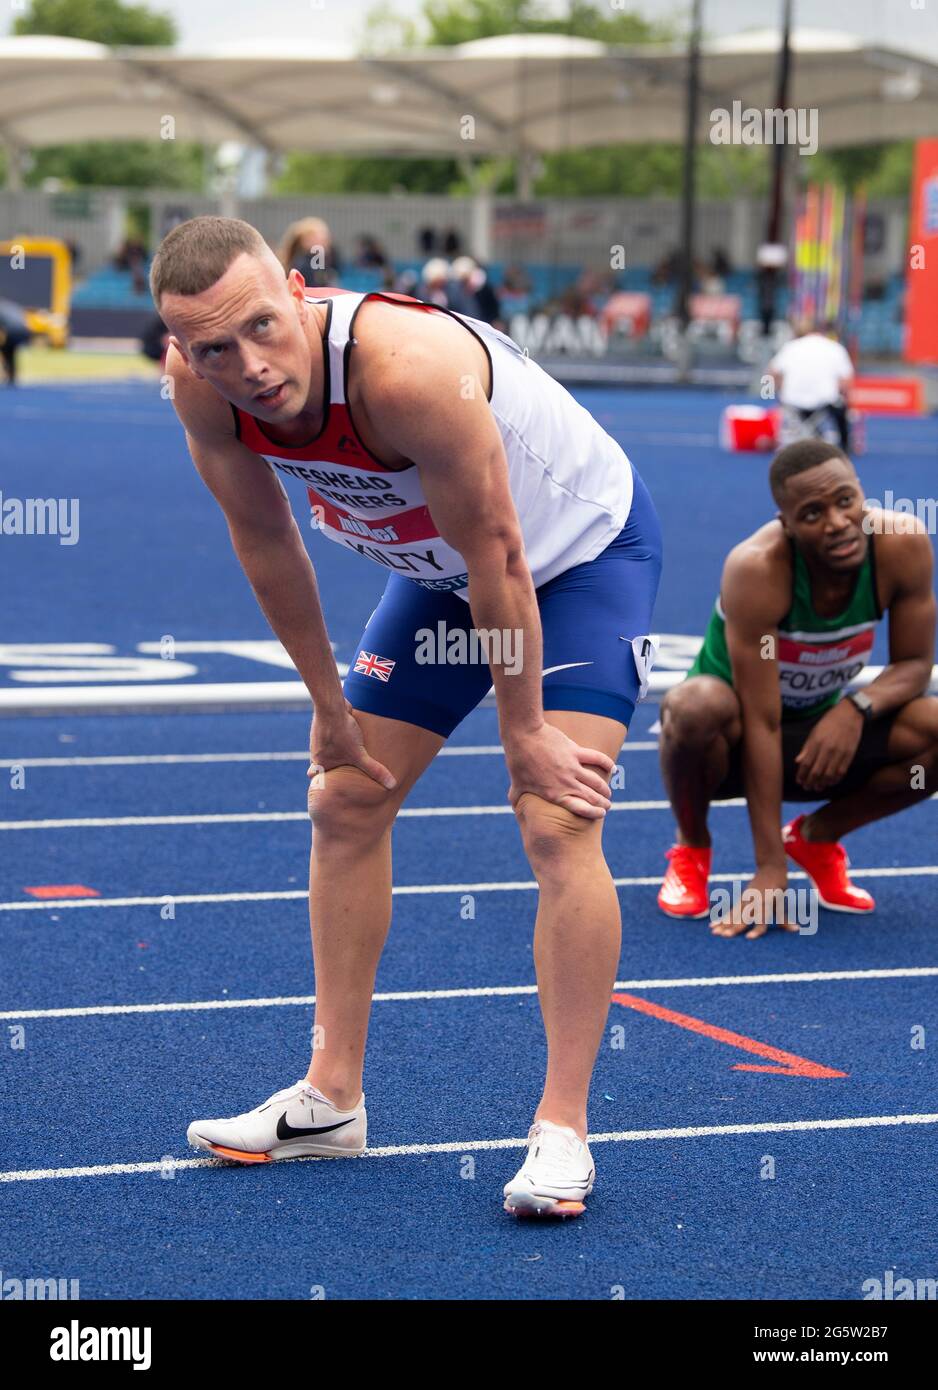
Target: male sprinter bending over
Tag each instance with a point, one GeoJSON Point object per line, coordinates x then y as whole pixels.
{"type": "Point", "coordinates": [433, 447]}
{"type": "Point", "coordinates": [762, 712]}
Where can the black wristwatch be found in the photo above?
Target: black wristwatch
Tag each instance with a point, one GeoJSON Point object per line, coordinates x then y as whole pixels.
{"type": "Point", "coordinates": [863, 703]}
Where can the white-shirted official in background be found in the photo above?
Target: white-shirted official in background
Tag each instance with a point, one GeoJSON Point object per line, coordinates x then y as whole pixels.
{"type": "Point", "coordinates": [813, 371]}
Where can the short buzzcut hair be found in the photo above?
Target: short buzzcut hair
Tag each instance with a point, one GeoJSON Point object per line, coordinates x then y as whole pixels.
{"type": "Point", "coordinates": [798, 458]}
{"type": "Point", "coordinates": [195, 254]}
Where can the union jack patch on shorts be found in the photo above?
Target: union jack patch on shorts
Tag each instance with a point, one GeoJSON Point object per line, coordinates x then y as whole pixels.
{"type": "Point", "coordinates": [370, 665]}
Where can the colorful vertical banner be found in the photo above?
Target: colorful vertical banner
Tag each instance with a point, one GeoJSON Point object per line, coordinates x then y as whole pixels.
{"type": "Point", "coordinates": [855, 274]}
{"type": "Point", "coordinates": [820, 264]}
{"type": "Point", "coordinates": [921, 304]}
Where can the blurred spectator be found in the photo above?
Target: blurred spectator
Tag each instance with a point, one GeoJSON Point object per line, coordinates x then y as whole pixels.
{"type": "Point", "coordinates": [129, 253]}
{"type": "Point", "coordinates": [812, 372]}
{"type": "Point", "coordinates": [307, 247]}
{"type": "Point", "coordinates": [452, 242]}
{"type": "Point", "coordinates": [154, 339]}
{"type": "Point", "coordinates": [470, 291]}
{"type": "Point", "coordinates": [516, 281]}
{"type": "Point", "coordinates": [586, 296]}
{"type": "Point", "coordinates": [14, 332]}
{"type": "Point", "coordinates": [426, 241]}
{"type": "Point", "coordinates": [407, 282]}
{"type": "Point", "coordinates": [132, 255]}
{"type": "Point", "coordinates": [574, 301]}
{"type": "Point", "coordinates": [668, 268]}
{"type": "Point", "coordinates": [599, 285]}
{"type": "Point", "coordinates": [767, 284]}
{"type": "Point", "coordinates": [370, 253]}
{"type": "Point", "coordinates": [711, 283]}
{"type": "Point", "coordinates": [771, 259]}
{"type": "Point", "coordinates": [434, 283]}
{"type": "Point", "coordinates": [720, 263]}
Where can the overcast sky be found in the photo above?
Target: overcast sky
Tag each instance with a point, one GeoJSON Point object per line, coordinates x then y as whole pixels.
{"type": "Point", "coordinates": [911, 25]}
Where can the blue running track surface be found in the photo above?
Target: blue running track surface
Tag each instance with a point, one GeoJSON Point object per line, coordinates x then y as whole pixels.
{"type": "Point", "coordinates": [763, 1116]}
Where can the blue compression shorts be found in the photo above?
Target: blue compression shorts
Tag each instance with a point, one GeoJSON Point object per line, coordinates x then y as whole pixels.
{"type": "Point", "coordinates": [589, 616]}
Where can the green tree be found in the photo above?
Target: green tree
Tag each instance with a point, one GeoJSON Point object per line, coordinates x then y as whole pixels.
{"type": "Point", "coordinates": [892, 178]}
{"type": "Point", "coordinates": [99, 21]}
{"type": "Point", "coordinates": [641, 170]}
{"type": "Point", "coordinates": [884, 170]}
{"type": "Point", "coordinates": [460, 21]}
{"type": "Point", "coordinates": [336, 173]}
{"type": "Point", "coordinates": [385, 30]}
{"type": "Point", "coordinates": [443, 23]}
{"type": "Point", "coordinates": [120, 164]}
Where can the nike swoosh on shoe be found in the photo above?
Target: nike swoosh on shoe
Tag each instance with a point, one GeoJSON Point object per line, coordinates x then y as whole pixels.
{"type": "Point", "coordinates": [286, 1131]}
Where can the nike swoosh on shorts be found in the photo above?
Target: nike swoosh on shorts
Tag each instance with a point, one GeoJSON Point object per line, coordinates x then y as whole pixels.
{"type": "Point", "coordinates": [551, 669]}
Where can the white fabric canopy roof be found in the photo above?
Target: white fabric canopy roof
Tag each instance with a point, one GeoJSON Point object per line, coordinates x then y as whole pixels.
{"type": "Point", "coordinates": [525, 93]}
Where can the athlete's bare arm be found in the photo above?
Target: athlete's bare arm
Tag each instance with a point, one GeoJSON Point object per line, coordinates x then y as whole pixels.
{"type": "Point", "coordinates": [755, 593]}
{"type": "Point", "coordinates": [264, 534]}
{"type": "Point", "coordinates": [422, 392]}
{"type": "Point", "coordinates": [905, 565]}
{"type": "Point", "coordinates": [904, 579]}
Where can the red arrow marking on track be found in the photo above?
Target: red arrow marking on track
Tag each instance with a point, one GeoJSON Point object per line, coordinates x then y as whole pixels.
{"type": "Point", "coordinates": [791, 1064]}
{"type": "Point", "coordinates": [63, 890]}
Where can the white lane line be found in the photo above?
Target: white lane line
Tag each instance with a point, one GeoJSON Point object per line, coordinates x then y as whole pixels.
{"type": "Point", "coordinates": [472, 992]}
{"type": "Point", "coordinates": [231, 695]}
{"type": "Point", "coordinates": [406, 890]}
{"type": "Point", "coordinates": [170, 759]}
{"type": "Point", "coordinates": [251, 817]}
{"type": "Point", "coordinates": [117, 822]}
{"type": "Point", "coordinates": [265, 817]}
{"type": "Point", "coordinates": [624, 1136]}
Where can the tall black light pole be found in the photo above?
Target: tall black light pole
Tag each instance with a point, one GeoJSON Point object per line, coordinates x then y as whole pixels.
{"type": "Point", "coordinates": [773, 231]}
{"type": "Point", "coordinates": [777, 205]}
{"type": "Point", "coordinates": [686, 283]}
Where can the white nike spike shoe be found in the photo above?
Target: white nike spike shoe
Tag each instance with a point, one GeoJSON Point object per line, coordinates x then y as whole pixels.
{"type": "Point", "coordinates": [556, 1176]}
{"type": "Point", "coordinates": [294, 1122]}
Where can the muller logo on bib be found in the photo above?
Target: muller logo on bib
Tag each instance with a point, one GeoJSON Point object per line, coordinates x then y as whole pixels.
{"type": "Point", "coordinates": [809, 670]}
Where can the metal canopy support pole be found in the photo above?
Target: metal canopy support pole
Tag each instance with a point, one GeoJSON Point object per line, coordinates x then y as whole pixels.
{"type": "Point", "coordinates": [524, 176]}
{"type": "Point", "coordinates": [481, 236]}
{"type": "Point", "coordinates": [14, 154]}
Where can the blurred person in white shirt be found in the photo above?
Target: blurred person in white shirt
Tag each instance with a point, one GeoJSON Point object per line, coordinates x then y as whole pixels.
{"type": "Point", "coordinates": [813, 372]}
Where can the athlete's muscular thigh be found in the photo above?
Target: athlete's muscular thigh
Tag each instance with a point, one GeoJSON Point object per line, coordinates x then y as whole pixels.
{"type": "Point", "coordinates": [915, 728]}
{"type": "Point", "coordinates": [589, 730]}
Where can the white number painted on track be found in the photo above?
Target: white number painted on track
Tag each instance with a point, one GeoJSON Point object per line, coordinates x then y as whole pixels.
{"type": "Point", "coordinates": [84, 662]}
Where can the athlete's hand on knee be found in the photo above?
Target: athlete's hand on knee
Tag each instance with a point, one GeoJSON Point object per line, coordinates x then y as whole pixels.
{"type": "Point", "coordinates": [337, 741]}
{"type": "Point", "coordinates": [762, 903]}
{"type": "Point", "coordinates": [829, 748]}
{"type": "Point", "coordinates": [552, 766]}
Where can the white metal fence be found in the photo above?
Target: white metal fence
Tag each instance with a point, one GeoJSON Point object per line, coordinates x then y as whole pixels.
{"type": "Point", "coordinates": [544, 231]}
